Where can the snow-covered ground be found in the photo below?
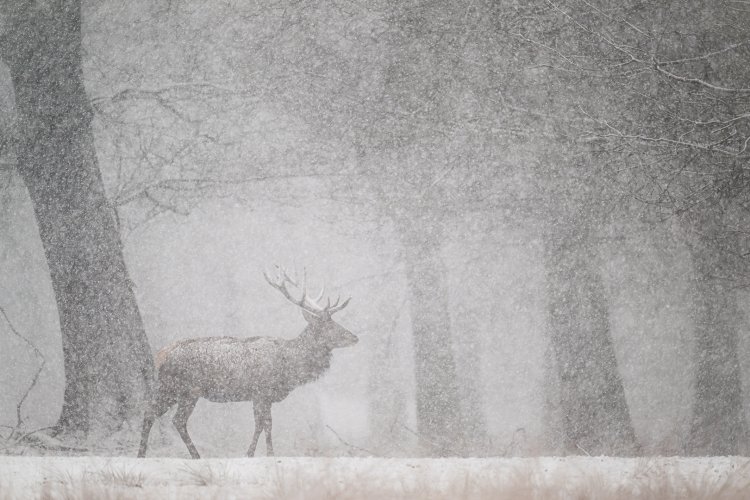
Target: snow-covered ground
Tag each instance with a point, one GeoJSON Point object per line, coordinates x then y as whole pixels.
{"type": "Point", "coordinates": [342, 478]}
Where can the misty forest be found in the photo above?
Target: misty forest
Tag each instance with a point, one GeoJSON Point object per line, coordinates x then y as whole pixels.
{"type": "Point", "coordinates": [540, 211]}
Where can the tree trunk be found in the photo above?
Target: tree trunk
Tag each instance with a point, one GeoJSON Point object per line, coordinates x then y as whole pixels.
{"type": "Point", "coordinates": [595, 414]}
{"type": "Point", "coordinates": [386, 393]}
{"type": "Point", "coordinates": [718, 426]}
{"type": "Point", "coordinates": [107, 359]}
{"type": "Point", "coordinates": [468, 355]}
{"type": "Point", "coordinates": [552, 416]}
{"type": "Point", "coordinates": [438, 399]}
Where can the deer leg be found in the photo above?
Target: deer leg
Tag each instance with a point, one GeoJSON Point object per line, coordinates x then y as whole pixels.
{"type": "Point", "coordinates": [180, 419]}
{"type": "Point", "coordinates": [148, 421]}
{"type": "Point", "coordinates": [156, 409]}
{"type": "Point", "coordinates": [254, 442]}
{"type": "Point", "coordinates": [267, 429]}
{"type": "Point", "coordinates": [259, 412]}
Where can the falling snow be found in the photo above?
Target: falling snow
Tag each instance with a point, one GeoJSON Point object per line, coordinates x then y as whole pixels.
{"type": "Point", "coordinates": [529, 218]}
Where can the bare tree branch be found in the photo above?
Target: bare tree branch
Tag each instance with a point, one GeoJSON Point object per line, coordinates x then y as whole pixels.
{"type": "Point", "coordinates": [35, 379]}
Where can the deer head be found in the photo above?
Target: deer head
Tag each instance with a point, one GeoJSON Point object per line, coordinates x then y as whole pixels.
{"type": "Point", "coordinates": [321, 325]}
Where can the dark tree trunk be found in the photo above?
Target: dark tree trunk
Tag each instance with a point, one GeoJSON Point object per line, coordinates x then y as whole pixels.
{"type": "Point", "coordinates": [552, 419]}
{"type": "Point", "coordinates": [595, 414]}
{"type": "Point", "coordinates": [438, 398]}
{"type": "Point", "coordinates": [718, 426]}
{"type": "Point", "coordinates": [475, 440]}
{"type": "Point", "coordinates": [386, 395]}
{"type": "Point", "coordinates": [107, 359]}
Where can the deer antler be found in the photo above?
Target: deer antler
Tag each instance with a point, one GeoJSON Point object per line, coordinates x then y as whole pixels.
{"type": "Point", "coordinates": [308, 304]}
{"type": "Point", "coordinates": [282, 278]}
{"type": "Point", "coordinates": [320, 295]}
{"type": "Point", "coordinates": [331, 308]}
{"type": "Point", "coordinates": [336, 307]}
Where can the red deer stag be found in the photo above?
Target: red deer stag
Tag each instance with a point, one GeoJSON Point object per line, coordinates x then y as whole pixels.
{"type": "Point", "coordinates": [263, 370]}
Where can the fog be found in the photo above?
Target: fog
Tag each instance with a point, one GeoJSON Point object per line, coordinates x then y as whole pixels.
{"type": "Point", "coordinates": [526, 277]}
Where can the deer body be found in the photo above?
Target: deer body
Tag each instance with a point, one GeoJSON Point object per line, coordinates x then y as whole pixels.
{"type": "Point", "coordinates": [263, 370]}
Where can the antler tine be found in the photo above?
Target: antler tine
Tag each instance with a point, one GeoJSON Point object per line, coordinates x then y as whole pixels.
{"type": "Point", "coordinates": [265, 275]}
{"type": "Point", "coordinates": [311, 303]}
{"type": "Point", "coordinates": [320, 295]}
{"type": "Point", "coordinates": [335, 307]}
{"type": "Point", "coordinates": [329, 305]}
{"type": "Point", "coordinates": [280, 285]}
{"type": "Point", "coordinates": [338, 298]}
{"type": "Point", "coordinates": [304, 287]}
{"type": "Point", "coordinates": [284, 276]}
{"type": "Point", "coordinates": [307, 303]}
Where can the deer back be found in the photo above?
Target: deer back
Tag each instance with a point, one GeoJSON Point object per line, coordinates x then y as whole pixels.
{"type": "Point", "coordinates": [223, 369]}
{"type": "Point", "coordinates": [219, 368]}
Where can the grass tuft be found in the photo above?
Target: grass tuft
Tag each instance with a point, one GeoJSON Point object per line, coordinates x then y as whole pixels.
{"type": "Point", "coordinates": [342, 479]}
{"type": "Point", "coordinates": [121, 477]}
{"type": "Point", "coordinates": [209, 475]}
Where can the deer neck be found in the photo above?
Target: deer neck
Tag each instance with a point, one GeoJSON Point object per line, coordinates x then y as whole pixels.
{"type": "Point", "coordinates": [309, 357]}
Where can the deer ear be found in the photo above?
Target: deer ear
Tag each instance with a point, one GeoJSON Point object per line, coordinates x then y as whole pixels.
{"type": "Point", "coordinates": [309, 317]}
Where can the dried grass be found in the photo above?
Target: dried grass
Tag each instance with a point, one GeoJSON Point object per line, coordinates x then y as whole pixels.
{"type": "Point", "coordinates": [129, 478]}
{"type": "Point", "coordinates": [205, 474]}
{"type": "Point", "coordinates": [648, 480]}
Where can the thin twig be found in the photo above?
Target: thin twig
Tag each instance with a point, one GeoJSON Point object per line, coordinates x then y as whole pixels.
{"type": "Point", "coordinates": [346, 443]}
{"type": "Point", "coordinates": [35, 379]}
{"type": "Point", "coordinates": [435, 446]}
{"type": "Point", "coordinates": [699, 81]}
{"type": "Point", "coordinates": [582, 449]}
{"type": "Point", "coordinates": [707, 55]}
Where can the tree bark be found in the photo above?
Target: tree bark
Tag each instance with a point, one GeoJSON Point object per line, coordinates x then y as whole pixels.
{"type": "Point", "coordinates": [552, 419]}
{"type": "Point", "coordinates": [437, 392]}
{"type": "Point", "coordinates": [595, 414]}
{"type": "Point", "coordinates": [473, 424]}
{"type": "Point", "coordinates": [107, 359]}
{"type": "Point", "coordinates": [386, 393]}
{"type": "Point", "coordinates": [718, 426]}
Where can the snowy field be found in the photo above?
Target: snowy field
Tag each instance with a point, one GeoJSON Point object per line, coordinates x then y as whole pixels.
{"type": "Point", "coordinates": [575, 478]}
